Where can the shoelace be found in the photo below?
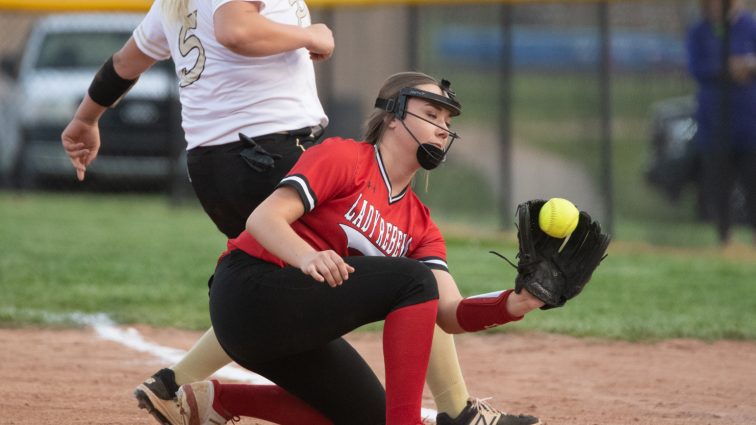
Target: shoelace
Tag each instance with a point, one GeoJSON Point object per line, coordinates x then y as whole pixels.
{"type": "Point", "coordinates": [480, 404]}
{"type": "Point", "coordinates": [183, 413]}
{"type": "Point", "coordinates": [231, 418]}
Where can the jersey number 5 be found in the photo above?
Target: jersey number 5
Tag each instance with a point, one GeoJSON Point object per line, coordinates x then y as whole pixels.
{"type": "Point", "coordinates": [187, 43]}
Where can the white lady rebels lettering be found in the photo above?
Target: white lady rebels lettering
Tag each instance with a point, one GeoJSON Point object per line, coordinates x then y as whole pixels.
{"type": "Point", "coordinates": [387, 236]}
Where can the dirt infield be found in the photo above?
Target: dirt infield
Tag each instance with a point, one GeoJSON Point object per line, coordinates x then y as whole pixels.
{"type": "Point", "coordinates": [72, 377]}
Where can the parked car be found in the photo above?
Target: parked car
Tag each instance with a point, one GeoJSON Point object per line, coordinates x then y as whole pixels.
{"type": "Point", "coordinates": [674, 161]}
{"type": "Point", "coordinates": [142, 138]}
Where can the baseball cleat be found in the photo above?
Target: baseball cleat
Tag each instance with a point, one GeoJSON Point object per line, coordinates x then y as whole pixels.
{"type": "Point", "coordinates": [195, 403]}
{"type": "Point", "coordinates": [479, 412]}
{"type": "Point", "coordinates": [157, 395]}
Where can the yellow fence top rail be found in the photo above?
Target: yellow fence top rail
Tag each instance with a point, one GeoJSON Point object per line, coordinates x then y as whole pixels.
{"type": "Point", "coordinates": [144, 5]}
{"type": "Point", "coordinates": [76, 5]}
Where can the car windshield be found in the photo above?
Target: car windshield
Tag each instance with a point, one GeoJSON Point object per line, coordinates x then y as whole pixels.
{"type": "Point", "coordinates": [79, 50]}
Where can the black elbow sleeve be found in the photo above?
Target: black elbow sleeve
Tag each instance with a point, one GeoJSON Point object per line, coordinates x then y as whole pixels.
{"type": "Point", "coordinates": [107, 86]}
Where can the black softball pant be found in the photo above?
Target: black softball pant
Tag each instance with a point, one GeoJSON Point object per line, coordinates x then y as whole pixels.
{"type": "Point", "coordinates": [228, 188]}
{"type": "Point", "coordinates": [287, 327]}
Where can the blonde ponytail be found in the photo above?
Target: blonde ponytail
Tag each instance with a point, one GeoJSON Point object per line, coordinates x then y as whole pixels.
{"type": "Point", "coordinates": [176, 11]}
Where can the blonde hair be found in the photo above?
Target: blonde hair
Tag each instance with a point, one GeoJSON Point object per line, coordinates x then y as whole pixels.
{"type": "Point", "coordinates": [379, 118]}
{"type": "Point", "coordinates": [176, 11]}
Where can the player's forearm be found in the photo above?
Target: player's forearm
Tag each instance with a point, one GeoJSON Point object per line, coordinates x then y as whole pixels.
{"type": "Point", "coordinates": [278, 39]}
{"type": "Point", "coordinates": [258, 36]}
{"type": "Point", "coordinates": [276, 235]}
{"type": "Point", "coordinates": [478, 312]}
{"type": "Point", "coordinates": [458, 315]}
{"type": "Point", "coordinates": [522, 303]}
{"type": "Point", "coordinates": [89, 111]}
{"type": "Point", "coordinates": [270, 224]}
{"type": "Point", "coordinates": [448, 299]}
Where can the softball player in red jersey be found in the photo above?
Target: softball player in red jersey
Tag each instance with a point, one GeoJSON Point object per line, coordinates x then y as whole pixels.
{"type": "Point", "coordinates": [343, 241]}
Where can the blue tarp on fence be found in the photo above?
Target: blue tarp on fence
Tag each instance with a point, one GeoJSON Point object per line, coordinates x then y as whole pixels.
{"type": "Point", "coordinates": [549, 49]}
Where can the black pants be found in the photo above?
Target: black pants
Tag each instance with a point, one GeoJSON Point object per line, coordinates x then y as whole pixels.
{"type": "Point", "coordinates": [228, 188]}
{"type": "Point", "coordinates": [284, 325]}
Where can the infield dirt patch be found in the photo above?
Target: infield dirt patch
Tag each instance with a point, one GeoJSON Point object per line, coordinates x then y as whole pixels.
{"type": "Point", "coordinates": [71, 376]}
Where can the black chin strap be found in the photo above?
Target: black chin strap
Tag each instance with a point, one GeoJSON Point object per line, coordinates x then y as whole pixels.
{"type": "Point", "coordinates": [422, 146]}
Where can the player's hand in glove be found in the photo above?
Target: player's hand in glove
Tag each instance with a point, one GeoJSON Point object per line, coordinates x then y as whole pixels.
{"type": "Point", "coordinates": [551, 275]}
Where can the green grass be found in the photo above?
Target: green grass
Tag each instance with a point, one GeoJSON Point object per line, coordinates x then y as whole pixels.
{"type": "Point", "coordinates": [134, 257]}
{"type": "Point", "coordinates": [559, 114]}
{"type": "Point", "coordinates": [140, 260]}
{"type": "Point", "coordinates": [639, 292]}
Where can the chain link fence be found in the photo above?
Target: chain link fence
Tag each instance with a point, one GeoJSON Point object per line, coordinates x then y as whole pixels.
{"type": "Point", "coordinates": [544, 115]}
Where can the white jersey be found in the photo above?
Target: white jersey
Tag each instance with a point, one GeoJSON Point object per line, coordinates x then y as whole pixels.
{"type": "Point", "coordinates": [223, 93]}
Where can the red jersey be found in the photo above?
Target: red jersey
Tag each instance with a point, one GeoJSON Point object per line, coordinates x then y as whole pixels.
{"type": "Point", "coordinates": [349, 208]}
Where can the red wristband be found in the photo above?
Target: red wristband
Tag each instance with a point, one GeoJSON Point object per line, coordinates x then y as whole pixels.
{"type": "Point", "coordinates": [485, 311]}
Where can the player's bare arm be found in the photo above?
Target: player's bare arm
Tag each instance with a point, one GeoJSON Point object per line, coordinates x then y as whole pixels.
{"type": "Point", "coordinates": [321, 42]}
{"type": "Point", "coordinates": [241, 28]}
{"type": "Point", "coordinates": [81, 141]}
{"type": "Point", "coordinates": [450, 297]}
{"type": "Point", "coordinates": [130, 62]}
{"type": "Point", "coordinates": [270, 224]}
{"type": "Point", "coordinates": [81, 137]}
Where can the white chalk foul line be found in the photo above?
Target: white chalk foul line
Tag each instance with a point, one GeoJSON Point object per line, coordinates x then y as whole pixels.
{"type": "Point", "coordinates": [131, 338]}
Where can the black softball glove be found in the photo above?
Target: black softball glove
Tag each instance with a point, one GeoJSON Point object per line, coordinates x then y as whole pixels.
{"type": "Point", "coordinates": [551, 275]}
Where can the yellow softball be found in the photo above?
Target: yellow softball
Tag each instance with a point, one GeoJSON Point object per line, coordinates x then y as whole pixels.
{"type": "Point", "coordinates": [558, 217]}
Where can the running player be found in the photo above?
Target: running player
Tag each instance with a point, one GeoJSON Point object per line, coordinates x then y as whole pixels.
{"type": "Point", "coordinates": [245, 126]}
